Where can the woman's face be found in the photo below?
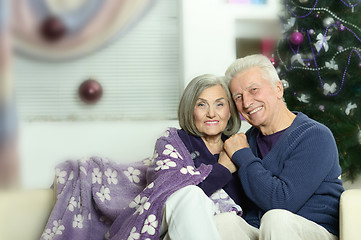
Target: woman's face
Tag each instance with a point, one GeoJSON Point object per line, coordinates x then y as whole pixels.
{"type": "Point", "coordinates": [212, 112]}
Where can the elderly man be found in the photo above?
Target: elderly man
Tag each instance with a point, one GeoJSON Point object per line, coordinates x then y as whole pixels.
{"type": "Point", "coordinates": [287, 163]}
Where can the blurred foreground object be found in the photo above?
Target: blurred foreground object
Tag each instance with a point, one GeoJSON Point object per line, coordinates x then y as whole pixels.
{"type": "Point", "coordinates": [68, 29]}
{"type": "Point", "coordinates": [319, 63]}
{"type": "Point", "coordinates": [9, 160]}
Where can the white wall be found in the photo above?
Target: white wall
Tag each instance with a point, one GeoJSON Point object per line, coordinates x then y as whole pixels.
{"type": "Point", "coordinates": [208, 46]}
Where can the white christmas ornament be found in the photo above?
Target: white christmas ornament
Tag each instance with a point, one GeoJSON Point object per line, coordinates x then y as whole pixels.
{"type": "Point", "coordinates": [303, 98]}
{"type": "Point", "coordinates": [322, 41]}
{"type": "Point", "coordinates": [329, 88]}
{"type": "Point", "coordinates": [297, 58]}
{"type": "Point", "coordinates": [349, 107]}
{"type": "Point", "coordinates": [328, 21]}
{"type": "Point", "coordinates": [331, 65]}
{"type": "Point", "coordinates": [289, 24]}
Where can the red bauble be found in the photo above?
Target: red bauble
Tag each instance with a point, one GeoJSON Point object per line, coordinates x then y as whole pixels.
{"type": "Point", "coordinates": [296, 38]}
{"type": "Point", "coordinates": [90, 91]}
{"type": "Point", "coordinates": [52, 29]}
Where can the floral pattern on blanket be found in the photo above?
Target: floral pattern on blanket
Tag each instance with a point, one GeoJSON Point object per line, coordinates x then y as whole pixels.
{"type": "Point", "coordinates": [101, 199]}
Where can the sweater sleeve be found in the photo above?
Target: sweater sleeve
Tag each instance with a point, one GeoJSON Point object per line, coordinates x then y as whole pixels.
{"type": "Point", "coordinates": [291, 173]}
{"type": "Point", "coordinates": [217, 179]}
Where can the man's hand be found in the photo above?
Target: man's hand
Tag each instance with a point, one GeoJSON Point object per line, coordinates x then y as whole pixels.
{"type": "Point", "coordinates": [226, 162]}
{"type": "Point", "coordinates": [235, 143]}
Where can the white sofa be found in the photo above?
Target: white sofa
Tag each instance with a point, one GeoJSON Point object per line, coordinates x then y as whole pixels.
{"type": "Point", "coordinates": [24, 213]}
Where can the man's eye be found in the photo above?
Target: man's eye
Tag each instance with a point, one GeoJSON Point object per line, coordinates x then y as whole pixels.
{"type": "Point", "coordinates": [238, 98]}
{"type": "Point", "coordinates": [254, 90]}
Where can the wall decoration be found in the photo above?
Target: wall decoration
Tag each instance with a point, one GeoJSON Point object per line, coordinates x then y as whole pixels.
{"type": "Point", "coordinates": [90, 91]}
{"type": "Point", "coordinates": [66, 29]}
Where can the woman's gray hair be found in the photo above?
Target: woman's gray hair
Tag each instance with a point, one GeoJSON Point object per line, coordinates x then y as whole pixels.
{"type": "Point", "coordinates": [259, 61]}
{"type": "Point", "coordinates": [190, 97]}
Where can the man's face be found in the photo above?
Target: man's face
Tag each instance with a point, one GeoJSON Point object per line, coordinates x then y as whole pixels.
{"type": "Point", "coordinates": [256, 99]}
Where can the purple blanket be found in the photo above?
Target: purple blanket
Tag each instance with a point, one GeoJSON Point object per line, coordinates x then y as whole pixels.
{"type": "Point", "coordinates": [101, 199]}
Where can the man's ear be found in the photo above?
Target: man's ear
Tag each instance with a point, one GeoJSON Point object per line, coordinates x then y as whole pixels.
{"type": "Point", "coordinates": [279, 89]}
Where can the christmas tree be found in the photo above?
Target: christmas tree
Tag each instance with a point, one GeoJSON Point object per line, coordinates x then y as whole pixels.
{"type": "Point", "coordinates": [319, 62]}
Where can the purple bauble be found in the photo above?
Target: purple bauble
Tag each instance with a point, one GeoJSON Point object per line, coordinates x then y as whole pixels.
{"type": "Point", "coordinates": [90, 91]}
{"type": "Point", "coordinates": [296, 38]}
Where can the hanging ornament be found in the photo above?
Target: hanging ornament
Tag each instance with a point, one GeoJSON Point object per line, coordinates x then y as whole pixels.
{"type": "Point", "coordinates": [342, 27]}
{"type": "Point", "coordinates": [322, 41]}
{"type": "Point", "coordinates": [327, 88]}
{"type": "Point", "coordinates": [285, 84]}
{"type": "Point", "coordinates": [317, 15]}
{"type": "Point", "coordinates": [321, 108]}
{"type": "Point", "coordinates": [331, 65]}
{"type": "Point", "coordinates": [328, 21]}
{"type": "Point", "coordinates": [349, 107]}
{"type": "Point", "coordinates": [311, 31]}
{"type": "Point", "coordinates": [52, 29]}
{"type": "Point", "coordinates": [90, 91]}
{"type": "Point", "coordinates": [303, 98]}
{"type": "Point", "coordinates": [297, 57]}
{"type": "Point", "coordinates": [273, 61]}
{"type": "Point", "coordinates": [296, 38]}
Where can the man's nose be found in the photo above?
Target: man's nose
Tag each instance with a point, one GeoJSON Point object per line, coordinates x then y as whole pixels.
{"type": "Point", "coordinates": [247, 100]}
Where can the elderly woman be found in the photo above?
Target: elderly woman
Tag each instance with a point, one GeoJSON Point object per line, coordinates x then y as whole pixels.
{"type": "Point", "coordinates": [173, 195]}
{"type": "Point", "coordinates": [207, 115]}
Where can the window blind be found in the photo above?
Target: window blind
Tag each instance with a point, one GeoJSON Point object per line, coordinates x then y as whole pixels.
{"type": "Point", "coordinates": [139, 74]}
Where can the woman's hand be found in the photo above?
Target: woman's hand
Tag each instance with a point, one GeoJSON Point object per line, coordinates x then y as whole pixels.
{"type": "Point", "coordinates": [235, 143]}
{"type": "Point", "coordinates": [226, 162]}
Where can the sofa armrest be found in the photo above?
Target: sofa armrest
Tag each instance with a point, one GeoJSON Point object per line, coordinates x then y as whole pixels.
{"type": "Point", "coordinates": [24, 213]}
{"type": "Point", "coordinates": [350, 214]}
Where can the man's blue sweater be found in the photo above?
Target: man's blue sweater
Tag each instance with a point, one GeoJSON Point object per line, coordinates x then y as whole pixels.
{"type": "Point", "coordinates": [300, 174]}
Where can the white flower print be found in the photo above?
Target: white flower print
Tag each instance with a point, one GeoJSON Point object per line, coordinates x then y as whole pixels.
{"type": "Point", "coordinates": [97, 176]}
{"type": "Point", "coordinates": [217, 210]}
{"type": "Point", "coordinates": [60, 176]}
{"type": "Point", "coordinates": [57, 229]}
{"type": "Point", "coordinates": [165, 134]}
{"type": "Point", "coordinates": [48, 234]}
{"type": "Point", "coordinates": [133, 235]}
{"type": "Point", "coordinates": [190, 170]}
{"type": "Point", "coordinates": [72, 204]}
{"type": "Point", "coordinates": [78, 221]}
{"type": "Point", "coordinates": [132, 174]}
{"type": "Point", "coordinates": [112, 176]}
{"type": "Point", "coordinates": [150, 185]}
{"type": "Point", "coordinates": [104, 194]}
{"type": "Point", "coordinates": [149, 161]}
{"type": "Point", "coordinates": [150, 225]}
{"type": "Point", "coordinates": [165, 164]}
{"type": "Point", "coordinates": [140, 204]}
{"type": "Point", "coordinates": [171, 151]}
{"type": "Point", "coordinates": [107, 235]}
{"type": "Point", "coordinates": [219, 194]}
{"type": "Point", "coordinates": [83, 170]}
